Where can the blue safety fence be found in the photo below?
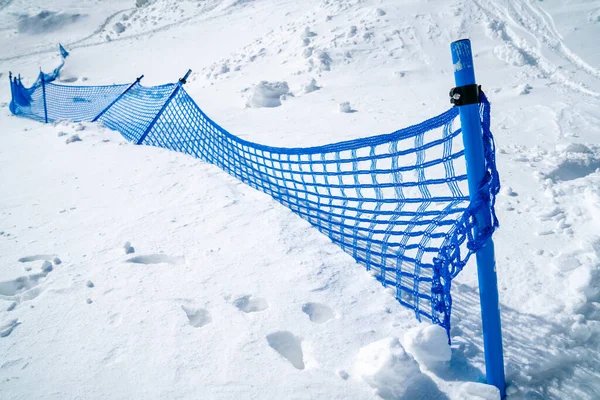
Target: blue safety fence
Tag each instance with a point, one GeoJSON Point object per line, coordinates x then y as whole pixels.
{"type": "Point", "coordinates": [398, 203]}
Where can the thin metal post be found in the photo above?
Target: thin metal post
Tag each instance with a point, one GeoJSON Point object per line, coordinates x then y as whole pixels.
{"type": "Point", "coordinates": [11, 105]}
{"type": "Point", "coordinates": [464, 74]}
{"type": "Point", "coordinates": [173, 93]}
{"type": "Point", "coordinates": [44, 97]}
{"type": "Point", "coordinates": [117, 99]}
{"type": "Point", "coordinates": [12, 90]}
{"type": "Point", "coordinates": [184, 79]}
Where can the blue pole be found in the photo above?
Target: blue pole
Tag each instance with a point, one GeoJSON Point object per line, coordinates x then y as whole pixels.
{"type": "Point", "coordinates": [11, 105]}
{"type": "Point", "coordinates": [178, 85]}
{"type": "Point", "coordinates": [118, 98]}
{"type": "Point", "coordinates": [44, 97]}
{"type": "Point", "coordinates": [464, 74]}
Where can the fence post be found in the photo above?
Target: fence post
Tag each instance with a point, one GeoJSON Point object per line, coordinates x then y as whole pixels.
{"type": "Point", "coordinates": [173, 93]}
{"type": "Point", "coordinates": [464, 75]}
{"type": "Point", "coordinates": [11, 105]}
{"type": "Point", "coordinates": [117, 99]}
{"type": "Point", "coordinates": [44, 97]}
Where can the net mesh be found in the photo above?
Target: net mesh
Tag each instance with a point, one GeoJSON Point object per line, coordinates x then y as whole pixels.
{"type": "Point", "coordinates": [397, 203]}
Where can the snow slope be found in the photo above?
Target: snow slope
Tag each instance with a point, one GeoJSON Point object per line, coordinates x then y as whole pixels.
{"type": "Point", "coordinates": [221, 292]}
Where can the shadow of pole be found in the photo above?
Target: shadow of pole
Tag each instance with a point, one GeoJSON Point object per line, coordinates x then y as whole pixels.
{"type": "Point", "coordinates": [543, 359]}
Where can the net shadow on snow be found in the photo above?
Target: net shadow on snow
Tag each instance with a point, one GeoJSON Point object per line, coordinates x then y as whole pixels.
{"type": "Point", "coordinates": [540, 355]}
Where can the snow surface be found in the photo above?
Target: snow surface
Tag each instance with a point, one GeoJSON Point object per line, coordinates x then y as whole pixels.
{"type": "Point", "coordinates": [266, 94]}
{"type": "Point", "coordinates": [428, 345]}
{"type": "Point", "coordinates": [394, 374]}
{"type": "Point", "coordinates": [205, 288]}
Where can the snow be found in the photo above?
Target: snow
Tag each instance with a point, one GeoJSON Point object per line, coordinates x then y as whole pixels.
{"type": "Point", "coordinates": [477, 391]}
{"type": "Point", "coordinates": [266, 94]}
{"type": "Point", "coordinates": [311, 86]}
{"type": "Point", "coordinates": [288, 346]}
{"type": "Point", "coordinates": [428, 344]}
{"type": "Point", "coordinates": [229, 295]}
{"type": "Point", "coordinates": [344, 107]}
{"type": "Point", "coordinates": [73, 139]}
{"type": "Point", "coordinates": [46, 21]}
{"type": "Point", "coordinates": [250, 304]}
{"type": "Point", "coordinates": [317, 312]}
{"type": "Point", "coordinates": [389, 370]}
{"type": "Point", "coordinates": [197, 317]}
{"type": "Point", "coordinates": [6, 329]}
{"type": "Point", "coordinates": [129, 249]}
{"type": "Point", "coordinates": [119, 28]}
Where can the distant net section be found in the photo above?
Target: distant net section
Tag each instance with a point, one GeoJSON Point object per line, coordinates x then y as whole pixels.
{"type": "Point", "coordinates": [398, 203]}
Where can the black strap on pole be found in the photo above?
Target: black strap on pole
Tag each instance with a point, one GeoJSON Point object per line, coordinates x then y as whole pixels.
{"type": "Point", "coordinates": [184, 79]}
{"type": "Point", "coordinates": [464, 95]}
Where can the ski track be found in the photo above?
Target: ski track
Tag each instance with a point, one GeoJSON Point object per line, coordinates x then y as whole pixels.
{"type": "Point", "coordinates": [533, 22]}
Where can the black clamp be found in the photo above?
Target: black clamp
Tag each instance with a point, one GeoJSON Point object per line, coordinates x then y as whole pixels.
{"type": "Point", "coordinates": [184, 79]}
{"type": "Point", "coordinates": [464, 95]}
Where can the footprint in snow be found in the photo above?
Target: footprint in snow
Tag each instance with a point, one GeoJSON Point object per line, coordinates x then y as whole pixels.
{"type": "Point", "coordinates": [157, 259]}
{"type": "Point", "coordinates": [197, 317]}
{"type": "Point", "coordinates": [23, 287]}
{"type": "Point", "coordinates": [574, 169]}
{"type": "Point", "coordinates": [317, 312]}
{"type": "Point", "coordinates": [6, 329]}
{"type": "Point", "coordinates": [288, 346]}
{"type": "Point", "coordinates": [250, 304]}
{"type": "Point", "coordinates": [41, 257]}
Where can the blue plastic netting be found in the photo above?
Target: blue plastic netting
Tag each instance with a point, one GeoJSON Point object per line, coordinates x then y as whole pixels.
{"type": "Point", "coordinates": [398, 203]}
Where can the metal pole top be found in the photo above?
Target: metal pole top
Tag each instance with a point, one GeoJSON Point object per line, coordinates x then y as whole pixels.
{"type": "Point", "coordinates": [462, 60]}
{"type": "Point", "coordinates": [185, 77]}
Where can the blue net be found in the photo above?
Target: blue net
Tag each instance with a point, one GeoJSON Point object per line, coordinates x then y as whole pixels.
{"type": "Point", "coordinates": [398, 203]}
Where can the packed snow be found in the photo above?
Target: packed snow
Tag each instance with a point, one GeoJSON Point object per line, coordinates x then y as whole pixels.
{"type": "Point", "coordinates": [391, 372]}
{"type": "Point", "coordinates": [428, 345]}
{"type": "Point", "coordinates": [131, 272]}
{"type": "Point", "coordinates": [268, 94]}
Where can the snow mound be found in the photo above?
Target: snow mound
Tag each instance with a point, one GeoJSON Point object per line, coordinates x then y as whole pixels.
{"type": "Point", "coordinates": [344, 107]}
{"type": "Point", "coordinates": [388, 368]}
{"type": "Point", "coordinates": [324, 60]}
{"type": "Point", "coordinates": [477, 391]}
{"type": "Point", "coordinates": [46, 21]}
{"type": "Point", "coordinates": [379, 12]}
{"type": "Point", "coordinates": [524, 89]}
{"type": "Point", "coordinates": [311, 86]}
{"type": "Point", "coordinates": [73, 139]}
{"type": "Point", "coordinates": [428, 345]}
{"type": "Point", "coordinates": [119, 28]}
{"type": "Point", "coordinates": [573, 148]}
{"type": "Point", "coordinates": [308, 33]}
{"type": "Point", "coordinates": [268, 94]}
{"type": "Point", "coordinates": [129, 249]}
